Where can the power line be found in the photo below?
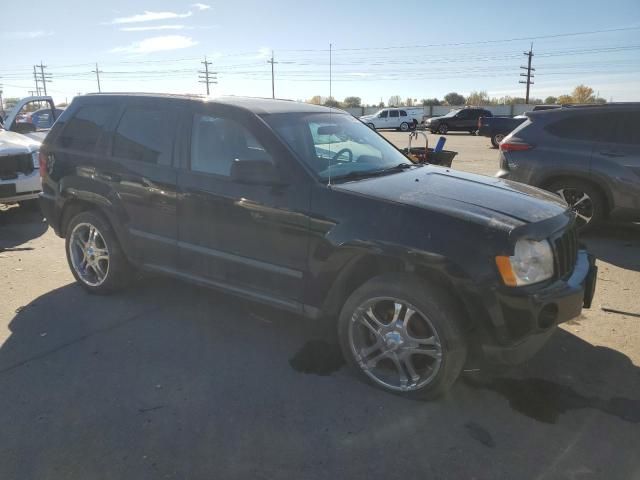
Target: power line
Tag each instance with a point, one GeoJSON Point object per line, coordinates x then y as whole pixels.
{"type": "Point", "coordinates": [273, 81]}
{"type": "Point", "coordinates": [529, 75]}
{"type": "Point", "coordinates": [206, 76]}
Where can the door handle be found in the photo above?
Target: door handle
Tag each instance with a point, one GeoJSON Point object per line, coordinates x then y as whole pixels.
{"type": "Point", "coordinates": [109, 177]}
{"type": "Point", "coordinates": [612, 154]}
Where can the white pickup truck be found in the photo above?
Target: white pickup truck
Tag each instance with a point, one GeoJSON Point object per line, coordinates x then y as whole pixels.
{"type": "Point", "coordinates": [396, 118]}
{"type": "Point", "coordinates": [19, 145]}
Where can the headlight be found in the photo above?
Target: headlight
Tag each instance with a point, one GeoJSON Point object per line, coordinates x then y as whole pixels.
{"type": "Point", "coordinates": [34, 159]}
{"type": "Point", "coordinates": [532, 262]}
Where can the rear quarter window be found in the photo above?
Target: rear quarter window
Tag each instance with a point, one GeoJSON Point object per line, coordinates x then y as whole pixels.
{"type": "Point", "coordinates": [576, 127]}
{"type": "Point", "coordinates": [83, 130]}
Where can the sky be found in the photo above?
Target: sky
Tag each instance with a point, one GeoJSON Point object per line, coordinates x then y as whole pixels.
{"type": "Point", "coordinates": [415, 49]}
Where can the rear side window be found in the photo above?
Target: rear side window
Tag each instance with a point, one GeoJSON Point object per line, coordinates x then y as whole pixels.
{"type": "Point", "coordinates": [576, 127]}
{"type": "Point", "coordinates": [393, 113]}
{"type": "Point", "coordinates": [145, 134]}
{"type": "Point", "coordinates": [84, 129]}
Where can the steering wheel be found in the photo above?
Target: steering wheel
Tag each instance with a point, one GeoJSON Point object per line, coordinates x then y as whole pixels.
{"type": "Point", "coordinates": [340, 152]}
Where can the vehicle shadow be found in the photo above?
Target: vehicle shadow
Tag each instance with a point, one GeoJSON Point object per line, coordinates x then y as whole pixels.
{"type": "Point", "coordinates": [167, 379]}
{"type": "Point", "coordinates": [19, 224]}
{"type": "Point", "coordinates": [617, 244]}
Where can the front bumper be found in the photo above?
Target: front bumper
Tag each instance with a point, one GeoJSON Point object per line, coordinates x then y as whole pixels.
{"type": "Point", "coordinates": [23, 187]}
{"type": "Point", "coordinates": [524, 322]}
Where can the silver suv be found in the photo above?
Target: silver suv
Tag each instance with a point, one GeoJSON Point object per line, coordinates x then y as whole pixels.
{"type": "Point", "coordinates": [588, 154]}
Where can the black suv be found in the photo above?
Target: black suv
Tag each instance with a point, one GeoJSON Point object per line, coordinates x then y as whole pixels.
{"type": "Point", "coordinates": [589, 155]}
{"type": "Point", "coordinates": [461, 120]}
{"type": "Point", "coordinates": [307, 209]}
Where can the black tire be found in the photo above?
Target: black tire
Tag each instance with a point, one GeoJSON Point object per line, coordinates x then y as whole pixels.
{"type": "Point", "coordinates": [433, 131]}
{"type": "Point", "coordinates": [430, 301]}
{"type": "Point", "coordinates": [119, 271]}
{"type": "Point", "coordinates": [570, 190]}
{"type": "Point", "coordinates": [496, 138]}
{"type": "Point", "coordinates": [443, 129]}
{"type": "Point", "coordinates": [404, 127]}
{"type": "Point", "coordinates": [371, 126]}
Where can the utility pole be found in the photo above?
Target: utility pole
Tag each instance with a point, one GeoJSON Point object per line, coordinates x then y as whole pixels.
{"type": "Point", "coordinates": [330, 73]}
{"type": "Point", "coordinates": [273, 82]}
{"type": "Point", "coordinates": [35, 77]}
{"type": "Point", "coordinates": [97, 71]}
{"type": "Point", "coordinates": [44, 77]}
{"type": "Point", "coordinates": [1, 102]}
{"type": "Point", "coordinates": [529, 75]}
{"type": "Point", "coordinates": [206, 76]}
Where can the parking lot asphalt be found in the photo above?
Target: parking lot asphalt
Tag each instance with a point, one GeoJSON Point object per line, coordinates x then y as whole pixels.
{"type": "Point", "coordinates": [168, 380]}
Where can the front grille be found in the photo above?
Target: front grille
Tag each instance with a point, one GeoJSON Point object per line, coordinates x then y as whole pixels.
{"type": "Point", "coordinates": [12, 165]}
{"type": "Point", "coordinates": [566, 252]}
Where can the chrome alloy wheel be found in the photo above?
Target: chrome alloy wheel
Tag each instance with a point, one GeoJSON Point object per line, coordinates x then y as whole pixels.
{"type": "Point", "coordinates": [395, 344]}
{"type": "Point", "coordinates": [89, 254]}
{"type": "Point", "coordinates": [580, 203]}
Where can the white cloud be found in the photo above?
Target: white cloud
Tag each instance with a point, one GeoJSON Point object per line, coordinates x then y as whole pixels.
{"type": "Point", "coordinates": [263, 52]}
{"type": "Point", "coordinates": [156, 44]}
{"type": "Point", "coordinates": [152, 27]}
{"type": "Point", "coordinates": [201, 6]}
{"type": "Point", "coordinates": [148, 16]}
{"type": "Point", "coordinates": [27, 35]}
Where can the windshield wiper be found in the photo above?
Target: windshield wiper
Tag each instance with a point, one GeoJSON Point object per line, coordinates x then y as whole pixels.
{"type": "Point", "coordinates": [374, 173]}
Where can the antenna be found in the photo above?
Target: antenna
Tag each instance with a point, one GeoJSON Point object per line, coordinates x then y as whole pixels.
{"type": "Point", "coordinates": [330, 51]}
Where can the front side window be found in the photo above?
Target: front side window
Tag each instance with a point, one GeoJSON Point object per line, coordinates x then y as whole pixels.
{"type": "Point", "coordinates": [216, 142]}
{"type": "Point", "coordinates": [383, 114]}
{"type": "Point", "coordinates": [145, 134]}
{"type": "Point", "coordinates": [403, 113]}
{"type": "Point", "coordinates": [335, 145]}
{"type": "Point", "coordinates": [393, 114]}
{"type": "Point", "coordinates": [86, 126]}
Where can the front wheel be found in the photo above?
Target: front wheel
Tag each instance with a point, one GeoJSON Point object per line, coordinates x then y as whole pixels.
{"type": "Point", "coordinates": [403, 335]}
{"type": "Point", "coordinates": [443, 129]}
{"type": "Point", "coordinates": [94, 254]}
{"type": "Point", "coordinates": [404, 127]}
{"type": "Point", "coordinates": [371, 126]}
{"type": "Point", "coordinates": [584, 199]}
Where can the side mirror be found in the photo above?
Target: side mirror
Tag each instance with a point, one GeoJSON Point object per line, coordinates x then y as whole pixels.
{"type": "Point", "coordinates": [255, 172]}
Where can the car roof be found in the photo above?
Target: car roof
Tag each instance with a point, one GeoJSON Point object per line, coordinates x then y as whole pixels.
{"type": "Point", "coordinates": [256, 105]}
{"type": "Point", "coordinates": [589, 107]}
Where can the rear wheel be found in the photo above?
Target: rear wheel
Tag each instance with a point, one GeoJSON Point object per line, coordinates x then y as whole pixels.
{"type": "Point", "coordinates": [586, 201]}
{"type": "Point", "coordinates": [496, 139]}
{"type": "Point", "coordinates": [443, 129]}
{"type": "Point", "coordinates": [94, 254]}
{"type": "Point", "coordinates": [403, 335]}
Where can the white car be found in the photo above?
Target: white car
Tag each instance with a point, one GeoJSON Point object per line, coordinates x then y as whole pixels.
{"type": "Point", "coordinates": [19, 146]}
{"type": "Point", "coordinates": [396, 118]}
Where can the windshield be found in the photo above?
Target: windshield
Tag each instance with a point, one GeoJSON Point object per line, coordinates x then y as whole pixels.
{"type": "Point", "coordinates": [336, 145]}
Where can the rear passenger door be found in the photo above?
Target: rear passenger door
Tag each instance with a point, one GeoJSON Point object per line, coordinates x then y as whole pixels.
{"type": "Point", "coordinates": [141, 171]}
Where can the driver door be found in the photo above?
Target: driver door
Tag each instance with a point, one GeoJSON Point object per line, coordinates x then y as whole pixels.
{"type": "Point", "coordinates": [251, 239]}
{"type": "Point", "coordinates": [383, 119]}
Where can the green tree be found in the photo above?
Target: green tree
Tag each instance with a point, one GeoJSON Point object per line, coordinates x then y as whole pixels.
{"type": "Point", "coordinates": [454, 98]}
{"type": "Point", "coordinates": [395, 101]}
{"type": "Point", "coordinates": [600, 100]}
{"type": "Point", "coordinates": [562, 99]}
{"type": "Point", "coordinates": [478, 98]}
{"type": "Point", "coordinates": [583, 94]}
{"type": "Point", "coordinates": [550, 100]}
{"type": "Point", "coordinates": [331, 102]}
{"type": "Point", "coordinates": [431, 101]}
{"type": "Point", "coordinates": [381, 104]}
{"type": "Point", "coordinates": [352, 102]}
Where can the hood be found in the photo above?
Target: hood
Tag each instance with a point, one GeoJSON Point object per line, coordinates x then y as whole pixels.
{"type": "Point", "coordinates": [485, 199]}
{"type": "Point", "coordinates": [435, 118]}
{"type": "Point", "coordinates": [12, 143]}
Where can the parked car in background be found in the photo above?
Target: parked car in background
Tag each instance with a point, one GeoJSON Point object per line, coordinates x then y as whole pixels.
{"type": "Point", "coordinates": [589, 155]}
{"type": "Point", "coordinates": [496, 128]}
{"type": "Point", "coordinates": [19, 145]}
{"type": "Point", "coordinates": [307, 209]}
{"type": "Point", "coordinates": [395, 118]}
{"type": "Point", "coordinates": [44, 118]}
{"type": "Point", "coordinates": [458, 120]}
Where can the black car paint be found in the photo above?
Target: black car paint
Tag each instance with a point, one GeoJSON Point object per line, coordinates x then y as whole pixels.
{"type": "Point", "coordinates": [466, 119]}
{"type": "Point", "coordinates": [491, 126]}
{"type": "Point", "coordinates": [302, 243]}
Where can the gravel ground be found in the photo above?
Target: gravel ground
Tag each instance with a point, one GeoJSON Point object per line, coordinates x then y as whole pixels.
{"type": "Point", "coordinates": [168, 380]}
